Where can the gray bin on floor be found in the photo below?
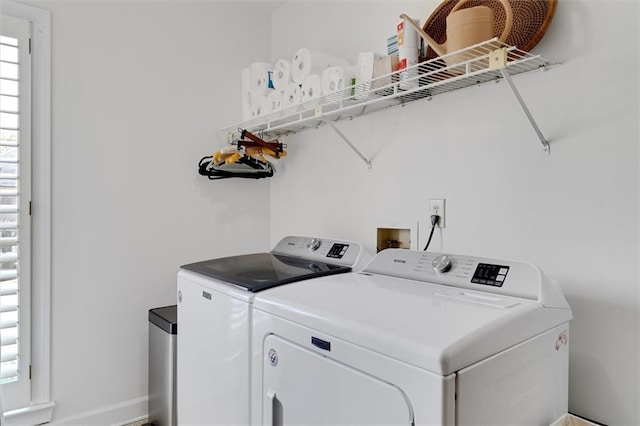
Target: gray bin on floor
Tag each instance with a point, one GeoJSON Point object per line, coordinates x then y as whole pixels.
{"type": "Point", "coordinates": [163, 333]}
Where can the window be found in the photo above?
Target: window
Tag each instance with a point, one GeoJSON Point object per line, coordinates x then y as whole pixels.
{"type": "Point", "coordinates": [25, 213]}
{"type": "Point", "coordinates": [15, 220]}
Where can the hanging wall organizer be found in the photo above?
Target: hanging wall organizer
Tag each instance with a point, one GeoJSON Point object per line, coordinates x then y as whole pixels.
{"type": "Point", "coordinates": [248, 157]}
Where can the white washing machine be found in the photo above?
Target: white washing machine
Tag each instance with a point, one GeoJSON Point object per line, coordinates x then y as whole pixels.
{"type": "Point", "coordinates": [215, 315]}
{"type": "Point", "coordinates": [416, 338]}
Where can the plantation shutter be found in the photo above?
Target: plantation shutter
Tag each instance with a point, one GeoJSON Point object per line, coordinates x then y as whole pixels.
{"type": "Point", "coordinates": [14, 201]}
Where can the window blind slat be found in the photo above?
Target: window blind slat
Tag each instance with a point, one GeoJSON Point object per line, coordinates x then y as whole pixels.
{"type": "Point", "coordinates": [8, 257]}
{"type": "Point", "coordinates": [9, 302]}
{"type": "Point", "coordinates": [9, 336]}
{"type": "Point", "coordinates": [8, 370]}
{"type": "Point", "coordinates": [8, 307]}
{"type": "Point", "coordinates": [9, 353]}
{"type": "Point", "coordinates": [8, 242]}
{"type": "Point", "coordinates": [8, 226]}
{"type": "Point", "coordinates": [9, 288]}
{"type": "Point", "coordinates": [8, 319]}
{"type": "Point", "coordinates": [8, 208]}
{"type": "Point", "coordinates": [8, 274]}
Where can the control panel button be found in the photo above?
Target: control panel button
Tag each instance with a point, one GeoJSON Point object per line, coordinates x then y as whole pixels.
{"type": "Point", "coordinates": [441, 264]}
{"type": "Point", "coordinates": [314, 244]}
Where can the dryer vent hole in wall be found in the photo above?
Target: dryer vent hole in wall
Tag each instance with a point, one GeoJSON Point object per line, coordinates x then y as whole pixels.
{"type": "Point", "coordinates": [393, 238]}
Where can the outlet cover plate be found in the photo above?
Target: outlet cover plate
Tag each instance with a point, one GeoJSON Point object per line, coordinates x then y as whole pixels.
{"type": "Point", "coordinates": [438, 207]}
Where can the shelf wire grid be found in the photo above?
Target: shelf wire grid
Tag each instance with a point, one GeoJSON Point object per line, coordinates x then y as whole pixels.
{"type": "Point", "coordinates": [454, 71]}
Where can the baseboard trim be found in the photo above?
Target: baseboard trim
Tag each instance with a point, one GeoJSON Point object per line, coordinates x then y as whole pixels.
{"type": "Point", "coordinates": [113, 415]}
{"type": "Point", "coordinates": [32, 415]}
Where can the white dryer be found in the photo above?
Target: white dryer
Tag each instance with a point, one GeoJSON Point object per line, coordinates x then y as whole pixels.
{"type": "Point", "coordinates": [214, 316]}
{"type": "Point", "coordinates": [416, 338]}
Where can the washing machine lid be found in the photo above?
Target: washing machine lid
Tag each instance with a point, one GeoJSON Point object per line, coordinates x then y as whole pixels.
{"type": "Point", "coordinates": [260, 271]}
{"type": "Point", "coordinates": [441, 323]}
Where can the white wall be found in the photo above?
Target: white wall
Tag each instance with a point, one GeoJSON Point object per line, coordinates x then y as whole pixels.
{"type": "Point", "coordinates": [140, 90]}
{"type": "Point", "coordinates": [573, 213]}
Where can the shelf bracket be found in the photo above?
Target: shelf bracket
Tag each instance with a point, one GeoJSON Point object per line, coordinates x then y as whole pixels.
{"type": "Point", "coordinates": [543, 141]}
{"type": "Point", "coordinates": [352, 146]}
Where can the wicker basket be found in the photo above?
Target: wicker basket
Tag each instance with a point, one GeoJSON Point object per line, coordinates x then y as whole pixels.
{"type": "Point", "coordinates": [530, 21]}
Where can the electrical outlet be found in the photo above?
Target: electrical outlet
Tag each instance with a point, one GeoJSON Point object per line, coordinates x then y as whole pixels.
{"type": "Point", "coordinates": [437, 207]}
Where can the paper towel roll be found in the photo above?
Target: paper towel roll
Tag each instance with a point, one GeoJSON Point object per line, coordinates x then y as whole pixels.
{"type": "Point", "coordinates": [292, 95]}
{"type": "Point", "coordinates": [407, 35]}
{"type": "Point", "coordinates": [260, 78]}
{"type": "Point", "coordinates": [365, 65]}
{"type": "Point", "coordinates": [245, 93]}
{"type": "Point", "coordinates": [281, 75]}
{"type": "Point", "coordinates": [274, 102]}
{"type": "Point", "coordinates": [307, 62]}
{"type": "Point", "coordinates": [311, 87]}
{"type": "Point", "coordinates": [338, 79]}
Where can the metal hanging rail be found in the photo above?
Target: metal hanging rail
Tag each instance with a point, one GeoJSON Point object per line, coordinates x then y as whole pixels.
{"type": "Point", "coordinates": [490, 61]}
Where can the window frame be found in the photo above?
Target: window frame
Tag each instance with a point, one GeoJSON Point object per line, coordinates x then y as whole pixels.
{"type": "Point", "coordinates": [40, 408]}
{"type": "Point", "coordinates": [20, 29]}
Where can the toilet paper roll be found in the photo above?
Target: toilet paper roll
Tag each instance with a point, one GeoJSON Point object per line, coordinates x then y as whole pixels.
{"type": "Point", "coordinates": [281, 75]}
{"type": "Point", "coordinates": [365, 65]}
{"type": "Point", "coordinates": [336, 80]}
{"type": "Point", "coordinates": [407, 66]}
{"type": "Point", "coordinates": [274, 102]}
{"type": "Point", "coordinates": [245, 93]}
{"type": "Point", "coordinates": [292, 95]}
{"type": "Point", "coordinates": [307, 62]}
{"type": "Point", "coordinates": [407, 34]}
{"type": "Point", "coordinates": [258, 104]}
{"type": "Point", "coordinates": [311, 87]}
{"type": "Point", "coordinates": [260, 78]}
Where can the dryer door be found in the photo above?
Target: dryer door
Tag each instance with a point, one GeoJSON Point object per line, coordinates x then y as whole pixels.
{"type": "Point", "coordinates": [302, 387]}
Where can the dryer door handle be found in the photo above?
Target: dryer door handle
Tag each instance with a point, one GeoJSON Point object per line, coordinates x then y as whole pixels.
{"type": "Point", "coordinates": [272, 415]}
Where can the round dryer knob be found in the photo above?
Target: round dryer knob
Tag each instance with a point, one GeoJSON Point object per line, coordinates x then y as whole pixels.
{"type": "Point", "coordinates": [314, 244]}
{"type": "Point", "coordinates": [441, 264]}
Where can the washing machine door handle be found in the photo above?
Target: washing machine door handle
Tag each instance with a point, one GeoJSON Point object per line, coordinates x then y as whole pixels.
{"type": "Point", "coordinates": [269, 409]}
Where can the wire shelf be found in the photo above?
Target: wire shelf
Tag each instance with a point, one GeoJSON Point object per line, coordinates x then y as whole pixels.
{"type": "Point", "coordinates": [468, 67]}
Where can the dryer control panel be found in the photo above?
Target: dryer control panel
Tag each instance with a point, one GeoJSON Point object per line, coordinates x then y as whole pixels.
{"type": "Point", "coordinates": [504, 277]}
{"type": "Point", "coordinates": [490, 274]}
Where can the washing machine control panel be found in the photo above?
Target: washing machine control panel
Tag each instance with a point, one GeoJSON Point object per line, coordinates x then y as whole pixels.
{"type": "Point", "coordinates": [339, 252]}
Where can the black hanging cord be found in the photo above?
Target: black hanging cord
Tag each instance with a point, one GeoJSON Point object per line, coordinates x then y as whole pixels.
{"type": "Point", "coordinates": [206, 168]}
{"type": "Point", "coordinates": [434, 221]}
